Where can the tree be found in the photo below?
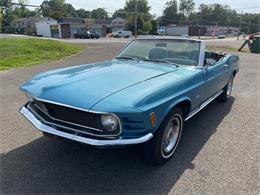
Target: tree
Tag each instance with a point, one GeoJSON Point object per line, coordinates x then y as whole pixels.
{"type": "Point", "coordinates": [216, 13]}
{"type": "Point", "coordinates": [154, 27]}
{"type": "Point", "coordinates": [147, 27]}
{"type": "Point", "coordinates": [21, 11]}
{"type": "Point", "coordinates": [171, 9]}
{"type": "Point", "coordinates": [186, 7]}
{"type": "Point", "coordinates": [99, 13]}
{"type": "Point", "coordinates": [82, 13]}
{"type": "Point", "coordinates": [57, 9]}
{"type": "Point", "coordinates": [170, 13]}
{"type": "Point", "coordinates": [1, 16]}
{"type": "Point", "coordinates": [130, 24]}
{"type": "Point", "coordinates": [120, 13]}
{"type": "Point", "coordinates": [6, 11]}
{"type": "Point", "coordinates": [142, 14]}
{"type": "Point", "coordinates": [70, 10]}
{"type": "Point", "coordinates": [142, 6]}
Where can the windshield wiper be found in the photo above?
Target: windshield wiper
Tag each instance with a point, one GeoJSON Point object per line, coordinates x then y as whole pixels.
{"type": "Point", "coordinates": [128, 58]}
{"type": "Point", "coordinates": [161, 61]}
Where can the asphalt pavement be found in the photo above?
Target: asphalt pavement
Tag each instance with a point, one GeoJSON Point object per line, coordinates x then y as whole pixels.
{"type": "Point", "coordinates": [219, 152]}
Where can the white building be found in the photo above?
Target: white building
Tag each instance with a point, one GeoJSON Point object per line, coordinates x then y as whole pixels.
{"type": "Point", "coordinates": [177, 30]}
{"type": "Point", "coordinates": [44, 28]}
{"type": "Point", "coordinates": [35, 25]}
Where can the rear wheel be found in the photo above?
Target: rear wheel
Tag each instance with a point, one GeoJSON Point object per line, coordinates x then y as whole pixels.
{"type": "Point", "coordinates": [224, 96]}
{"type": "Point", "coordinates": [162, 147]}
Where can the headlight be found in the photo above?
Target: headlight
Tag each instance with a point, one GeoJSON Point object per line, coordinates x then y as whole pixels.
{"type": "Point", "coordinates": [109, 122]}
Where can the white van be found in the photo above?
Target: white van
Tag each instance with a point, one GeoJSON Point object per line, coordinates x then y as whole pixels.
{"type": "Point", "coordinates": [125, 34]}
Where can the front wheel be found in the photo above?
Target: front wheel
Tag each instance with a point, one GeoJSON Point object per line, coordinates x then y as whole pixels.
{"type": "Point", "coordinates": [162, 147]}
{"type": "Point", "coordinates": [224, 96]}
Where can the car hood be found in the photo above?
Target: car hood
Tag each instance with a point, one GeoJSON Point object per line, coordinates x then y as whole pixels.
{"type": "Point", "coordinates": [84, 86]}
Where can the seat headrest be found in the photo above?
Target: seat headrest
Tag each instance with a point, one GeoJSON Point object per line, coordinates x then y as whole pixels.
{"type": "Point", "coordinates": [158, 53]}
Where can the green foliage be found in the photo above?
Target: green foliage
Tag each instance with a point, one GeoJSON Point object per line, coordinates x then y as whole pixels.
{"type": "Point", "coordinates": [186, 7]}
{"type": "Point", "coordinates": [170, 13]}
{"type": "Point", "coordinates": [1, 16]}
{"type": "Point", "coordinates": [143, 14]}
{"type": "Point", "coordinates": [154, 27]}
{"type": "Point", "coordinates": [57, 9]}
{"type": "Point", "coordinates": [131, 24]}
{"type": "Point", "coordinates": [17, 52]}
{"type": "Point", "coordinates": [99, 13]}
{"type": "Point", "coordinates": [147, 27]}
{"type": "Point", "coordinates": [120, 13]}
{"type": "Point", "coordinates": [142, 6]}
{"type": "Point", "coordinates": [211, 15]}
{"type": "Point", "coordinates": [6, 12]}
{"type": "Point", "coordinates": [171, 8]}
{"type": "Point", "coordinates": [82, 13]}
{"type": "Point", "coordinates": [22, 11]}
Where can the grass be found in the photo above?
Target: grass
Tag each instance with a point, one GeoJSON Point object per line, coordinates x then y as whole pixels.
{"type": "Point", "coordinates": [20, 52]}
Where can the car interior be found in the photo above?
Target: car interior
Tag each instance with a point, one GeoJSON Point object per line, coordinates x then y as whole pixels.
{"type": "Point", "coordinates": [186, 58]}
{"type": "Point", "coordinates": [211, 58]}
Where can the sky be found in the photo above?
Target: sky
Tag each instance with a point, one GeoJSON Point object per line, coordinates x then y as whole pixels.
{"type": "Point", "coordinates": [250, 6]}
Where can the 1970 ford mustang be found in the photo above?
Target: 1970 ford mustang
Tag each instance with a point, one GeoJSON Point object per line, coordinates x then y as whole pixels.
{"type": "Point", "coordinates": [143, 96]}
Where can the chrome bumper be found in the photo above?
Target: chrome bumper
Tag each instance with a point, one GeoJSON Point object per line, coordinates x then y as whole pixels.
{"type": "Point", "coordinates": [94, 142]}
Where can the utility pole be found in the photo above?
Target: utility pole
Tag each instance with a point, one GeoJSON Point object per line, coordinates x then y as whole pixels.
{"type": "Point", "coordinates": [239, 27]}
{"type": "Point", "coordinates": [135, 18]}
{"type": "Point", "coordinates": [248, 27]}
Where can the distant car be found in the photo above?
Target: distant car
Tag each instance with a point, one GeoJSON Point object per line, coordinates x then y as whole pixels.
{"type": "Point", "coordinates": [124, 34]}
{"type": "Point", "coordinates": [82, 35]}
{"type": "Point", "coordinates": [143, 96]}
{"type": "Point", "coordinates": [221, 36]}
{"type": "Point", "coordinates": [95, 35]}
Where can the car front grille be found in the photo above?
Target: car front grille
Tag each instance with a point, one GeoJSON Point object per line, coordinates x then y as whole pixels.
{"type": "Point", "coordinates": [66, 118]}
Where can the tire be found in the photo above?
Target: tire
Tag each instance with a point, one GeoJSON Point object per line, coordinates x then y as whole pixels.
{"type": "Point", "coordinates": [157, 151]}
{"type": "Point", "coordinates": [224, 96]}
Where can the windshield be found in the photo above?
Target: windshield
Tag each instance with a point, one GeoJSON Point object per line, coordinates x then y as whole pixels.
{"type": "Point", "coordinates": [177, 51]}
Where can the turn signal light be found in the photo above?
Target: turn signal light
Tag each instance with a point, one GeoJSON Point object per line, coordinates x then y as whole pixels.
{"type": "Point", "coordinates": [153, 118]}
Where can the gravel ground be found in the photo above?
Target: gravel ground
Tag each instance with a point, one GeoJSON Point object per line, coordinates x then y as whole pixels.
{"type": "Point", "coordinates": [219, 152]}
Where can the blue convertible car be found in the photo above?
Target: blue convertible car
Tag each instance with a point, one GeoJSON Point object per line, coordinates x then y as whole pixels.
{"type": "Point", "coordinates": [143, 96]}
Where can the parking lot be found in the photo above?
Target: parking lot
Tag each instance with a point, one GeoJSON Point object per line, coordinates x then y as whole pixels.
{"type": "Point", "coordinates": [219, 152]}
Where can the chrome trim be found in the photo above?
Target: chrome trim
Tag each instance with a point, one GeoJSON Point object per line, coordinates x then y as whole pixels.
{"type": "Point", "coordinates": [44, 128]}
{"type": "Point", "coordinates": [55, 119]}
{"type": "Point", "coordinates": [62, 126]}
{"type": "Point", "coordinates": [202, 54]}
{"type": "Point", "coordinates": [203, 105]}
{"type": "Point", "coordinates": [77, 108]}
{"type": "Point", "coordinates": [69, 128]}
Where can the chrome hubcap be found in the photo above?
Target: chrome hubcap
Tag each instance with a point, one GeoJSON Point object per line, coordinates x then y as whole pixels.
{"type": "Point", "coordinates": [171, 136]}
{"type": "Point", "coordinates": [229, 87]}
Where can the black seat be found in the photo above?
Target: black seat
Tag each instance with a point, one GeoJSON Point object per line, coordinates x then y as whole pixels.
{"type": "Point", "coordinates": [158, 53]}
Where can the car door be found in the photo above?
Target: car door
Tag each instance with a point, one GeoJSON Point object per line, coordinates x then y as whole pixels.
{"type": "Point", "coordinates": [215, 78]}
